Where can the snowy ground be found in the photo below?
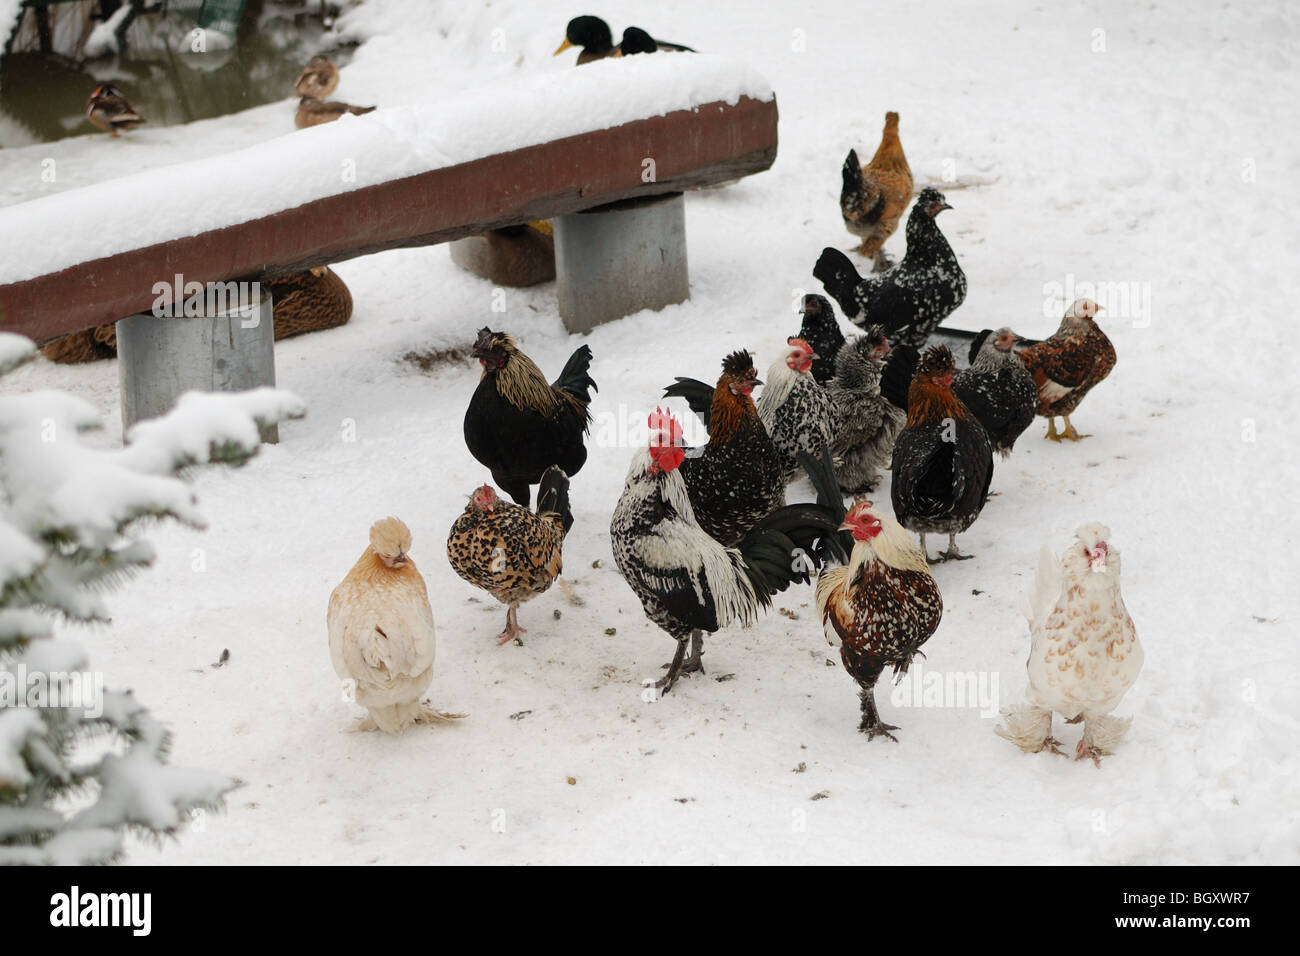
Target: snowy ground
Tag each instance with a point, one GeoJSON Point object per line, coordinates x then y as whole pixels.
{"type": "Point", "coordinates": [1161, 161]}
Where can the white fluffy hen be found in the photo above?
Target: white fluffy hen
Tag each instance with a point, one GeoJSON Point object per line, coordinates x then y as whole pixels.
{"type": "Point", "coordinates": [381, 633]}
{"type": "Point", "coordinates": [1084, 653]}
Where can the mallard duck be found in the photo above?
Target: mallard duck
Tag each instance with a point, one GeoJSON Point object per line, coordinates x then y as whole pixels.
{"type": "Point", "coordinates": [108, 109]}
{"type": "Point", "coordinates": [317, 79]}
{"type": "Point", "coordinates": [302, 302]}
{"type": "Point", "coordinates": [309, 301]}
{"type": "Point", "coordinates": [313, 112]}
{"type": "Point", "coordinates": [593, 36]}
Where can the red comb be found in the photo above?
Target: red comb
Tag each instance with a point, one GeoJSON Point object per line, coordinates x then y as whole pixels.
{"type": "Point", "coordinates": [664, 428]}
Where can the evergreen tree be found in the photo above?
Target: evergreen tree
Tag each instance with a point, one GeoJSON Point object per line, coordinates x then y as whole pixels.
{"type": "Point", "coordinates": [81, 766]}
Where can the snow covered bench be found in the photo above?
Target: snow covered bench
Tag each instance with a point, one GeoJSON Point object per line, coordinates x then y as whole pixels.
{"type": "Point", "coordinates": [553, 145]}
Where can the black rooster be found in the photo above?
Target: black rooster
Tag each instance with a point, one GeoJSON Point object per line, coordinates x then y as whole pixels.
{"type": "Point", "coordinates": [911, 299]}
{"type": "Point", "coordinates": [943, 461]}
{"type": "Point", "coordinates": [736, 479]}
{"type": "Point", "coordinates": [821, 330]}
{"type": "Point", "coordinates": [518, 424]}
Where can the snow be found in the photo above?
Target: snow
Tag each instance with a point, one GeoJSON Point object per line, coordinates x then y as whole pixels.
{"type": "Point", "coordinates": [1160, 162]}
{"type": "Point", "coordinates": [44, 234]}
{"type": "Point", "coordinates": [103, 39]}
{"type": "Point", "coordinates": [14, 350]}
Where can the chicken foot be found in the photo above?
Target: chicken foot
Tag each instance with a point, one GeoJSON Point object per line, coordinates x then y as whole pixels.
{"type": "Point", "coordinates": [665, 683]}
{"type": "Point", "coordinates": [871, 724]}
{"type": "Point", "coordinates": [1069, 432]}
{"type": "Point", "coordinates": [952, 554]}
{"type": "Point", "coordinates": [513, 630]}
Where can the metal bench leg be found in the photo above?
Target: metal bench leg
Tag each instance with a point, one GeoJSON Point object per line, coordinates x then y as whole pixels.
{"type": "Point", "coordinates": [161, 358]}
{"type": "Point", "coordinates": [618, 259]}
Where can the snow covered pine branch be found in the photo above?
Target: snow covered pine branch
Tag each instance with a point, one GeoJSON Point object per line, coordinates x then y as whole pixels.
{"type": "Point", "coordinates": [80, 766]}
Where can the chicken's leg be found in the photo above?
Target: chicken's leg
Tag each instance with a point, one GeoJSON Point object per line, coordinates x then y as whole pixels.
{"type": "Point", "coordinates": [1052, 433]}
{"type": "Point", "coordinates": [513, 630]}
{"type": "Point", "coordinates": [882, 263]}
{"type": "Point", "coordinates": [694, 663]}
{"type": "Point", "coordinates": [1086, 749]}
{"type": "Point", "coordinates": [952, 554]}
{"type": "Point", "coordinates": [871, 724]}
{"type": "Point", "coordinates": [665, 683]}
{"type": "Point", "coordinates": [1070, 433]}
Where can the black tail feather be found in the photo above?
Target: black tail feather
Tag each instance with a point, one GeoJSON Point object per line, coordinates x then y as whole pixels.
{"type": "Point", "coordinates": [839, 278]}
{"type": "Point", "coordinates": [977, 343]}
{"type": "Point", "coordinates": [837, 545]}
{"type": "Point", "coordinates": [575, 377]}
{"type": "Point", "coordinates": [698, 395]}
{"type": "Point", "coordinates": [553, 495]}
{"type": "Point", "coordinates": [896, 376]}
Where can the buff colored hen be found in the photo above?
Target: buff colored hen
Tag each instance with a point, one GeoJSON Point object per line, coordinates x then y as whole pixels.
{"type": "Point", "coordinates": [381, 633]}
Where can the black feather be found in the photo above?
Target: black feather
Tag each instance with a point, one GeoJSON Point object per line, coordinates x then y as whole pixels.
{"type": "Point", "coordinates": [698, 395]}
{"type": "Point", "coordinates": [977, 343]}
{"type": "Point", "coordinates": [553, 495]}
{"type": "Point", "coordinates": [575, 377]}
{"type": "Point", "coordinates": [896, 376]}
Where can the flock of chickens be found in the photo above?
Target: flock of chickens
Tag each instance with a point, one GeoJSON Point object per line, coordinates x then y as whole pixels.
{"type": "Point", "coordinates": [704, 536]}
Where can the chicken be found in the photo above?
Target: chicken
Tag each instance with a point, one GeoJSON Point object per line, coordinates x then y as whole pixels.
{"type": "Point", "coordinates": [737, 478]}
{"type": "Point", "coordinates": [1084, 653]}
{"type": "Point", "coordinates": [943, 461]}
{"type": "Point", "coordinates": [821, 329]}
{"type": "Point", "coordinates": [1068, 364]}
{"type": "Point", "coordinates": [317, 79]}
{"type": "Point", "coordinates": [797, 412]}
{"type": "Point", "coordinates": [314, 112]}
{"type": "Point", "coordinates": [874, 197]}
{"type": "Point", "coordinates": [998, 388]}
{"type": "Point", "coordinates": [911, 299]}
{"type": "Point", "coordinates": [381, 633]}
{"type": "Point", "coordinates": [866, 423]}
{"type": "Point", "coordinates": [879, 608]}
{"type": "Point", "coordinates": [108, 110]}
{"type": "Point", "coordinates": [688, 583]}
{"type": "Point", "coordinates": [517, 424]}
{"type": "Point", "coordinates": [509, 551]}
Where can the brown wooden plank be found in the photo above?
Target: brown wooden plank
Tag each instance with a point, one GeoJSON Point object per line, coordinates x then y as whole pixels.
{"type": "Point", "coordinates": [711, 144]}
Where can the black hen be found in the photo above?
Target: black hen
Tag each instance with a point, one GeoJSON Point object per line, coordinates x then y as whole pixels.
{"type": "Point", "coordinates": [911, 299]}
{"type": "Point", "coordinates": [998, 388]}
{"type": "Point", "coordinates": [943, 461]}
{"type": "Point", "coordinates": [518, 424]}
{"type": "Point", "coordinates": [821, 330]}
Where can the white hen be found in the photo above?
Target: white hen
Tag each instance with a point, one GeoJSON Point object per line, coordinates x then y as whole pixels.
{"type": "Point", "coordinates": [1084, 653]}
{"type": "Point", "coordinates": [381, 633]}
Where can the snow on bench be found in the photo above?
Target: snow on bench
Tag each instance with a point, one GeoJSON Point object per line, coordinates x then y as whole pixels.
{"type": "Point", "coordinates": [541, 146]}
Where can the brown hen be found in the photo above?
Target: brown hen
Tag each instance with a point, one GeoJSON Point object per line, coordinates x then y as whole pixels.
{"type": "Point", "coordinates": [1067, 365]}
{"type": "Point", "coordinates": [875, 196]}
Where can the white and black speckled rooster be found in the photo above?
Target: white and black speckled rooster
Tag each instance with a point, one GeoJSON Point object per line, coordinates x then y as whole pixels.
{"type": "Point", "coordinates": [880, 604]}
{"type": "Point", "coordinates": [687, 582]}
{"type": "Point", "coordinates": [1084, 653]}
{"type": "Point", "coordinates": [797, 412]}
{"type": "Point", "coordinates": [866, 422]}
{"type": "Point", "coordinates": [998, 388]}
{"type": "Point", "coordinates": [736, 479]}
{"type": "Point", "coordinates": [943, 461]}
{"type": "Point", "coordinates": [911, 299]}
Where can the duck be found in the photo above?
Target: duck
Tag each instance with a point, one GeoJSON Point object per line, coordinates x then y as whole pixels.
{"type": "Point", "coordinates": [109, 110]}
{"type": "Point", "coordinates": [593, 37]}
{"type": "Point", "coordinates": [317, 79]}
{"type": "Point", "coordinates": [314, 112]}
{"type": "Point", "coordinates": [301, 302]}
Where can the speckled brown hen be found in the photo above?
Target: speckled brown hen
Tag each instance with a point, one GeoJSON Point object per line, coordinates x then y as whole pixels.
{"type": "Point", "coordinates": [509, 551]}
{"type": "Point", "coordinates": [874, 197]}
{"type": "Point", "coordinates": [1067, 365]}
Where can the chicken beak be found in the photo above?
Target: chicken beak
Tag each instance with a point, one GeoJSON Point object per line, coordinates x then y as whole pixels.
{"type": "Point", "coordinates": [753, 382]}
{"type": "Point", "coordinates": [562, 47]}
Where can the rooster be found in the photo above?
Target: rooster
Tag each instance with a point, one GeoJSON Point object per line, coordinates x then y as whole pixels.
{"type": "Point", "coordinates": [517, 424]}
{"type": "Point", "coordinates": [880, 607]}
{"type": "Point", "coordinates": [1084, 653]}
{"type": "Point", "coordinates": [797, 412]}
{"type": "Point", "coordinates": [866, 423]}
{"type": "Point", "coordinates": [1068, 364]}
{"type": "Point", "coordinates": [687, 582]}
{"type": "Point", "coordinates": [737, 478]}
{"type": "Point", "coordinates": [874, 197]}
{"type": "Point", "coordinates": [943, 461]}
{"type": "Point", "coordinates": [509, 551]}
{"type": "Point", "coordinates": [381, 633]}
{"type": "Point", "coordinates": [911, 299]}
{"type": "Point", "coordinates": [821, 330]}
{"type": "Point", "coordinates": [998, 388]}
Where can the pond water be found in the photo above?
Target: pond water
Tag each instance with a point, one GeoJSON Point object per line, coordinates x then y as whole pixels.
{"type": "Point", "coordinates": [43, 98]}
